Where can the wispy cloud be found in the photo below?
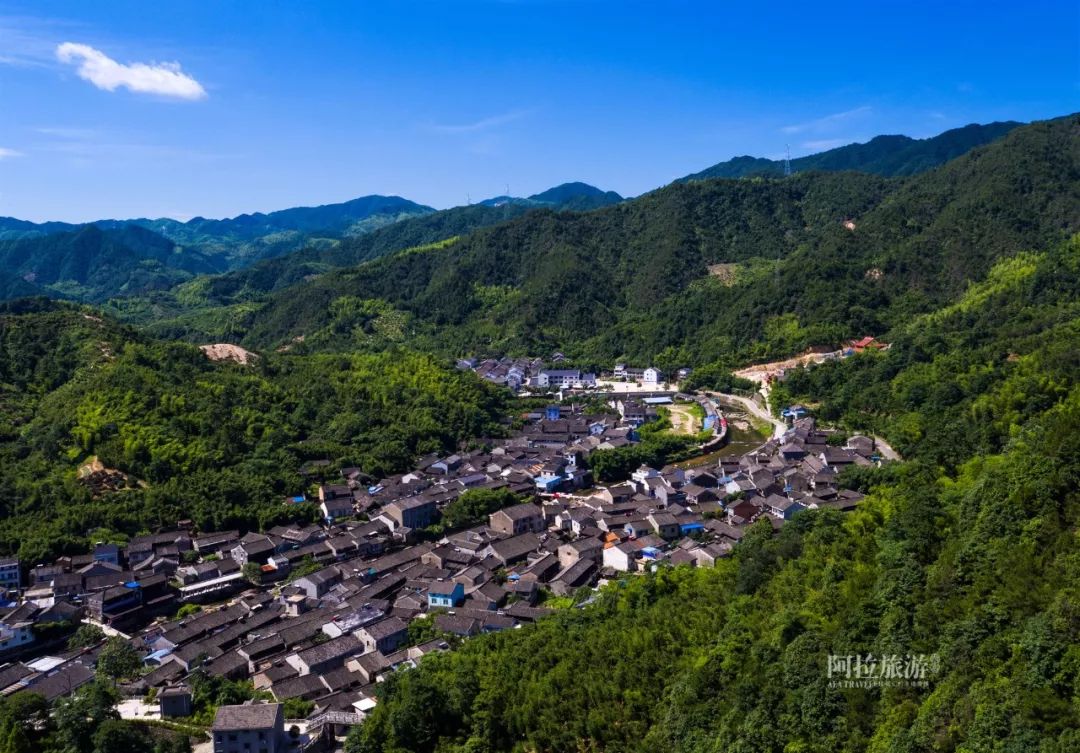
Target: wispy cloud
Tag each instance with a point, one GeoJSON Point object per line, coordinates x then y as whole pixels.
{"type": "Point", "coordinates": [6, 153]}
{"type": "Point", "coordinates": [28, 42]}
{"type": "Point", "coordinates": [820, 145]}
{"type": "Point", "coordinates": [484, 124]}
{"type": "Point", "coordinates": [828, 122]}
{"type": "Point", "coordinates": [163, 79]}
{"type": "Point", "coordinates": [67, 132]}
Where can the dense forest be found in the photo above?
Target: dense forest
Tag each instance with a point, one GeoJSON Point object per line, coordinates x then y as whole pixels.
{"type": "Point", "coordinates": [218, 443]}
{"type": "Point", "coordinates": [218, 306]}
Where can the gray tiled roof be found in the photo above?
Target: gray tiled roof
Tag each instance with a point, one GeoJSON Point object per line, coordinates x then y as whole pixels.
{"type": "Point", "coordinates": [255, 716]}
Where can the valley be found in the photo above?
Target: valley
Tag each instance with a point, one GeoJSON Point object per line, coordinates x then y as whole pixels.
{"type": "Point", "coordinates": [457, 480]}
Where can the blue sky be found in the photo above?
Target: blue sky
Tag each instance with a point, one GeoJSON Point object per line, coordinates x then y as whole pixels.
{"type": "Point", "coordinates": [124, 109]}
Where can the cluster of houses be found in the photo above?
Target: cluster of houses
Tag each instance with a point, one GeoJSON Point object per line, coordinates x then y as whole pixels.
{"type": "Point", "coordinates": [521, 373]}
{"type": "Point", "coordinates": [535, 373]}
{"type": "Point", "coordinates": [323, 612]}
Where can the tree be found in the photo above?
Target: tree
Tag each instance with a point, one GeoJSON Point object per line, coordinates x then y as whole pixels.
{"type": "Point", "coordinates": [17, 741]}
{"type": "Point", "coordinates": [118, 659]}
{"type": "Point", "coordinates": [119, 736]}
{"type": "Point", "coordinates": [24, 721]}
{"type": "Point", "coordinates": [475, 505]}
{"type": "Point", "coordinates": [187, 610]}
{"type": "Point", "coordinates": [252, 572]}
{"type": "Point", "coordinates": [87, 635]}
{"type": "Point", "coordinates": [297, 708]}
{"type": "Point", "coordinates": [78, 716]}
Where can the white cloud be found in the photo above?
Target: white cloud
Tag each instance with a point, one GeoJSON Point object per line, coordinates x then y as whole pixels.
{"type": "Point", "coordinates": [827, 122]}
{"type": "Point", "coordinates": [164, 79]}
{"type": "Point", "coordinates": [483, 124]}
{"type": "Point", "coordinates": [8, 153]}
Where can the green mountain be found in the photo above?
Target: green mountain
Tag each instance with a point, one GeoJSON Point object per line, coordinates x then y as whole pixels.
{"type": "Point", "coordinates": [214, 307]}
{"type": "Point", "coordinates": [92, 263]}
{"type": "Point", "coordinates": [213, 441]}
{"type": "Point", "coordinates": [707, 270]}
{"type": "Point", "coordinates": [75, 260]}
{"type": "Point", "coordinates": [882, 155]}
{"type": "Point", "coordinates": [567, 196]}
{"type": "Point", "coordinates": [250, 237]}
{"type": "Point", "coordinates": [12, 286]}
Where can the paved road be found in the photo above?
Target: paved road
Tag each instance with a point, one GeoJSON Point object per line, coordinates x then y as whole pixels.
{"type": "Point", "coordinates": [886, 449]}
{"type": "Point", "coordinates": [779, 427]}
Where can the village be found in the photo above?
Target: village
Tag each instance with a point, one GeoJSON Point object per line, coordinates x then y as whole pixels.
{"type": "Point", "coordinates": [324, 612]}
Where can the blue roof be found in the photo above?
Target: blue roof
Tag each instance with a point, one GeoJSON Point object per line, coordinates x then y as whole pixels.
{"type": "Point", "coordinates": [159, 654]}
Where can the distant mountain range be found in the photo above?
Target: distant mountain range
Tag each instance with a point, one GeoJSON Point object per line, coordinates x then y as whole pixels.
{"type": "Point", "coordinates": [568, 196]}
{"type": "Point", "coordinates": [891, 156]}
{"type": "Point", "coordinates": [252, 254]}
{"type": "Point", "coordinates": [110, 258]}
{"type": "Point", "coordinates": [350, 217]}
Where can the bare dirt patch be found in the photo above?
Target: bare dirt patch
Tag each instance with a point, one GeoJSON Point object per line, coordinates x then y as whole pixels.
{"type": "Point", "coordinates": [726, 273]}
{"type": "Point", "coordinates": [226, 352]}
{"type": "Point", "coordinates": [682, 420]}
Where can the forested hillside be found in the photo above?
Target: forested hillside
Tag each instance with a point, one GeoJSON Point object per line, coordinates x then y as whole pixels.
{"type": "Point", "coordinates": [217, 306]}
{"type": "Point", "coordinates": [219, 443]}
{"type": "Point", "coordinates": [92, 263]}
{"type": "Point", "coordinates": [955, 382]}
{"type": "Point", "coordinates": [708, 270]}
{"type": "Point", "coordinates": [976, 565]}
{"type": "Point", "coordinates": [882, 155]}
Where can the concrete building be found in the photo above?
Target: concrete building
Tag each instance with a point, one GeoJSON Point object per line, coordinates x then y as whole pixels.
{"type": "Point", "coordinates": [10, 575]}
{"type": "Point", "coordinates": [249, 728]}
{"type": "Point", "coordinates": [518, 519]}
{"type": "Point", "coordinates": [175, 701]}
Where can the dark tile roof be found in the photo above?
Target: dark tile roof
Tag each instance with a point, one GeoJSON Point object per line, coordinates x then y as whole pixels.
{"type": "Point", "coordinates": [254, 716]}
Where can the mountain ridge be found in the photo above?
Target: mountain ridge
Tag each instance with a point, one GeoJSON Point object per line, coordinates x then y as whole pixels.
{"type": "Point", "coordinates": [888, 155]}
{"type": "Point", "coordinates": [632, 280]}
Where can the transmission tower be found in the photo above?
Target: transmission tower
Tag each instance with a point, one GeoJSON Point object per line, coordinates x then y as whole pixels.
{"type": "Point", "coordinates": [787, 162]}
